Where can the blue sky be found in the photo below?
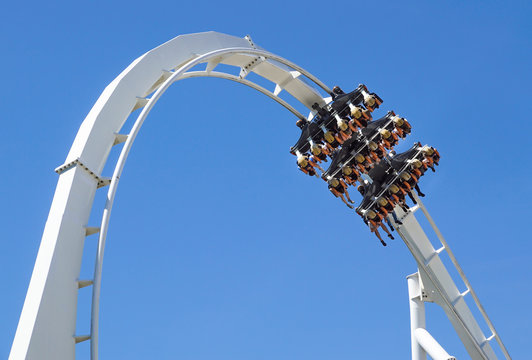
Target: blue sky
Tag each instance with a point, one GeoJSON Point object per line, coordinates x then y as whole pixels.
{"type": "Point", "coordinates": [218, 246]}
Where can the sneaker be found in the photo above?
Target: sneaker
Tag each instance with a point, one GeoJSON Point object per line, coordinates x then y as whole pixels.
{"type": "Point", "coordinates": [398, 222]}
{"type": "Point", "coordinates": [391, 236]}
{"type": "Point", "coordinates": [421, 194]}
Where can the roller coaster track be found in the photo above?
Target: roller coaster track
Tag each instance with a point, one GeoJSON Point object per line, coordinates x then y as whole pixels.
{"type": "Point", "coordinates": [47, 325]}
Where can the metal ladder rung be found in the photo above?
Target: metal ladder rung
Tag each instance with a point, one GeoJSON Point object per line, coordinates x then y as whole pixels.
{"type": "Point", "coordinates": [91, 230]}
{"type": "Point", "coordinates": [141, 102]}
{"type": "Point", "coordinates": [487, 341]}
{"type": "Point", "coordinates": [461, 296]}
{"type": "Point", "coordinates": [84, 283]}
{"type": "Point", "coordinates": [433, 255]}
{"type": "Point", "coordinates": [119, 139]}
{"type": "Point", "coordinates": [81, 338]}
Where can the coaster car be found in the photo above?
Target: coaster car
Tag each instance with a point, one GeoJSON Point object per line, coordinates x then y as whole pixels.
{"type": "Point", "coordinates": [344, 155]}
{"type": "Point", "coordinates": [368, 200]}
{"type": "Point", "coordinates": [344, 104]}
{"type": "Point", "coordinates": [310, 131]}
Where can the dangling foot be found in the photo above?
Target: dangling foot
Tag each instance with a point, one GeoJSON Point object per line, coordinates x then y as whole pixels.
{"type": "Point", "coordinates": [391, 236]}
{"type": "Point", "coordinates": [398, 222]}
{"type": "Point", "coordinates": [350, 206]}
{"type": "Point", "coordinates": [421, 194]}
{"type": "Point", "coordinates": [383, 243]}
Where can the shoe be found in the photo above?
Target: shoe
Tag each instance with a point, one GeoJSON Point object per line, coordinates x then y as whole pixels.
{"type": "Point", "coordinates": [383, 243]}
{"type": "Point", "coordinates": [421, 194]}
{"type": "Point", "coordinates": [391, 236]}
{"type": "Point", "coordinates": [398, 222]}
{"type": "Point", "coordinates": [350, 206]}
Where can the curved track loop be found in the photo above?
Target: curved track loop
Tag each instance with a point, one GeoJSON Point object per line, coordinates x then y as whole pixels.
{"type": "Point", "coordinates": [47, 326]}
{"type": "Point", "coordinates": [179, 74]}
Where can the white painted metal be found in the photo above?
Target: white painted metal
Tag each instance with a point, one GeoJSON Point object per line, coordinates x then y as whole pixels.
{"type": "Point", "coordinates": [238, 79]}
{"type": "Point", "coordinates": [470, 290]}
{"type": "Point", "coordinates": [441, 288]}
{"type": "Point", "coordinates": [47, 325]}
{"type": "Point", "coordinates": [175, 76]}
{"type": "Point", "coordinates": [417, 315]}
{"type": "Point", "coordinates": [431, 346]}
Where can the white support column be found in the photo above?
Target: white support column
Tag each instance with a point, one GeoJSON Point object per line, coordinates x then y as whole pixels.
{"type": "Point", "coordinates": [431, 346]}
{"type": "Point", "coordinates": [417, 315]}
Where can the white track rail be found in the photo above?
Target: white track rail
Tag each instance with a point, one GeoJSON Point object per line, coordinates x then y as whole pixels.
{"type": "Point", "coordinates": [47, 326]}
{"type": "Point", "coordinates": [438, 286]}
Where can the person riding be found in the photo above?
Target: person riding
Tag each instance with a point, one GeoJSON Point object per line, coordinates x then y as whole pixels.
{"type": "Point", "coordinates": [432, 156]}
{"type": "Point", "coordinates": [410, 181]}
{"type": "Point", "coordinates": [377, 151]}
{"type": "Point", "coordinates": [359, 116]}
{"type": "Point", "coordinates": [371, 101]}
{"type": "Point", "coordinates": [336, 91]}
{"type": "Point", "coordinates": [375, 221]}
{"type": "Point", "coordinates": [388, 138]}
{"type": "Point", "coordinates": [301, 123]}
{"type": "Point", "coordinates": [402, 126]}
{"type": "Point", "coordinates": [350, 174]}
{"type": "Point", "coordinates": [397, 194]}
{"type": "Point", "coordinates": [417, 168]}
{"type": "Point", "coordinates": [339, 188]}
{"type": "Point", "coordinates": [344, 131]}
{"type": "Point", "coordinates": [364, 163]}
{"type": "Point", "coordinates": [387, 207]}
{"type": "Point", "coordinates": [306, 165]}
{"type": "Point", "coordinates": [318, 152]}
{"type": "Point", "coordinates": [332, 140]}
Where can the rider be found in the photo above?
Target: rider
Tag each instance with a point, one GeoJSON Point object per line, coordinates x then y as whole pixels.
{"type": "Point", "coordinates": [375, 221]}
{"type": "Point", "coordinates": [402, 126]}
{"type": "Point", "coordinates": [332, 140]}
{"type": "Point", "coordinates": [377, 151]}
{"type": "Point", "coordinates": [397, 194]}
{"type": "Point", "coordinates": [387, 207]}
{"type": "Point", "coordinates": [319, 152]}
{"type": "Point", "coordinates": [371, 101]}
{"type": "Point", "coordinates": [432, 156]}
{"type": "Point", "coordinates": [350, 174]}
{"type": "Point", "coordinates": [388, 138]}
{"type": "Point", "coordinates": [417, 168]}
{"type": "Point", "coordinates": [364, 163]}
{"type": "Point", "coordinates": [307, 165]}
{"type": "Point", "coordinates": [344, 130]}
{"type": "Point", "coordinates": [360, 116]}
{"type": "Point", "coordinates": [410, 181]}
{"type": "Point", "coordinates": [339, 188]}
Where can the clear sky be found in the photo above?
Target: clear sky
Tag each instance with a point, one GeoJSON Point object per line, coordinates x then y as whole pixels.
{"type": "Point", "coordinates": [219, 248]}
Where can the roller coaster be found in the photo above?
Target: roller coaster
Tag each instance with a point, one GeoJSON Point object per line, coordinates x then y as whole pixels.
{"type": "Point", "coordinates": [339, 129]}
